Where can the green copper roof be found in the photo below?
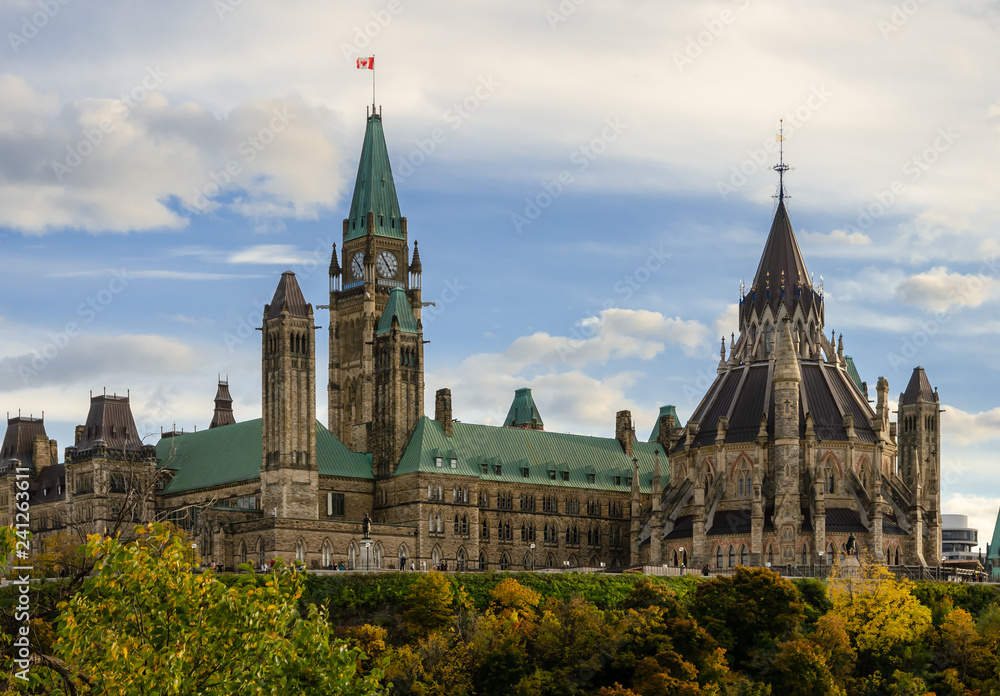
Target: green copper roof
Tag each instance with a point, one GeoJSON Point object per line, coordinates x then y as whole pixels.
{"type": "Point", "coordinates": [398, 306]}
{"type": "Point", "coordinates": [852, 372]}
{"type": "Point", "coordinates": [523, 410]}
{"type": "Point", "coordinates": [664, 411]}
{"type": "Point", "coordinates": [231, 454]}
{"type": "Point", "coordinates": [374, 189]}
{"type": "Point", "coordinates": [545, 455]}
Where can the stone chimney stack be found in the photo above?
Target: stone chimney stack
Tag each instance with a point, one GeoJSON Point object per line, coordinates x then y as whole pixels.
{"type": "Point", "coordinates": [442, 409]}
{"type": "Point", "coordinates": [625, 431]}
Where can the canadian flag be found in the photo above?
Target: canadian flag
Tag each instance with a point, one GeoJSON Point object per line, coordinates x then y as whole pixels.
{"type": "Point", "coordinates": [368, 63]}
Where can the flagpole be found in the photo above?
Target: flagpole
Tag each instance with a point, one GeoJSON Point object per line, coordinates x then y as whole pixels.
{"type": "Point", "coordinates": [373, 83]}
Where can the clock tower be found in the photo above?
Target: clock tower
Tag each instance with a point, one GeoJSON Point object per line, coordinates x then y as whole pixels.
{"type": "Point", "coordinates": [374, 260]}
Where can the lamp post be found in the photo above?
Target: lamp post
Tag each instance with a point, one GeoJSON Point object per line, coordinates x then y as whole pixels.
{"type": "Point", "coordinates": [532, 547]}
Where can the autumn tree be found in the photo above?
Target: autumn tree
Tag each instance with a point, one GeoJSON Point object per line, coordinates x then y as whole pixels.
{"type": "Point", "coordinates": [880, 614]}
{"type": "Point", "coordinates": [749, 612]}
{"type": "Point", "coordinates": [147, 624]}
{"type": "Point", "coordinates": [428, 605]}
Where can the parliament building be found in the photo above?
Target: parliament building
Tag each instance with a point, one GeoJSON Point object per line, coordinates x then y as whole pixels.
{"type": "Point", "coordinates": [780, 464]}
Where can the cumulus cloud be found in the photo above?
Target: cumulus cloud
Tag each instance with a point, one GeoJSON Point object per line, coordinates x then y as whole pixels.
{"type": "Point", "coordinates": [981, 511]}
{"type": "Point", "coordinates": [120, 164]}
{"type": "Point", "coordinates": [963, 428]}
{"type": "Point", "coordinates": [837, 238]}
{"type": "Point", "coordinates": [938, 290]}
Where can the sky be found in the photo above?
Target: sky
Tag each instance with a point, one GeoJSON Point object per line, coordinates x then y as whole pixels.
{"type": "Point", "coordinates": [588, 180]}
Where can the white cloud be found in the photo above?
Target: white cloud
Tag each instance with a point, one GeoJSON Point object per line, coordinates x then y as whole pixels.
{"type": "Point", "coordinates": [963, 428]}
{"type": "Point", "coordinates": [938, 290]}
{"type": "Point", "coordinates": [100, 164]}
{"type": "Point", "coordinates": [836, 238]}
{"type": "Point", "coordinates": [271, 254]}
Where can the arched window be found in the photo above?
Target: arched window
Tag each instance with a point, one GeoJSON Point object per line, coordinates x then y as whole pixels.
{"type": "Point", "coordinates": [805, 555]}
{"type": "Point", "coordinates": [830, 482]}
{"type": "Point", "coordinates": [460, 559]}
{"type": "Point", "coordinates": [436, 556]}
{"type": "Point", "coordinates": [402, 556]}
{"type": "Point", "coordinates": [457, 526]}
{"type": "Point", "coordinates": [675, 557]}
{"type": "Point", "coordinates": [829, 554]}
{"type": "Point", "coordinates": [504, 561]}
{"type": "Point", "coordinates": [430, 523]}
{"type": "Point", "coordinates": [440, 524]}
{"type": "Point", "coordinates": [482, 560]}
{"type": "Point", "coordinates": [718, 557]}
{"type": "Point", "coordinates": [260, 550]}
{"type": "Point", "coordinates": [770, 554]}
{"type": "Point", "coordinates": [732, 556]}
{"type": "Point", "coordinates": [524, 532]}
{"type": "Point", "coordinates": [243, 552]}
{"type": "Point", "coordinates": [325, 554]}
{"type": "Point", "coordinates": [550, 561]}
{"type": "Point", "coordinates": [300, 551]}
{"type": "Point", "coordinates": [352, 556]}
{"type": "Point", "coordinates": [743, 554]}
{"type": "Point", "coordinates": [465, 525]}
{"type": "Point", "coordinates": [897, 555]}
{"type": "Point", "coordinates": [684, 557]}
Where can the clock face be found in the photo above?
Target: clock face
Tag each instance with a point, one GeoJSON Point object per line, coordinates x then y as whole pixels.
{"type": "Point", "coordinates": [386, 264]}
{"type": "Point", "coordinates": [358, 265]}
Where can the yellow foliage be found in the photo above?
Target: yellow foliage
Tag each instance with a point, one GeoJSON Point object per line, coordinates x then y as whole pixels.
{"type": "Point", "coordinates": [510, 595]}
{"type": "Point", "coordinates": [879, 610]}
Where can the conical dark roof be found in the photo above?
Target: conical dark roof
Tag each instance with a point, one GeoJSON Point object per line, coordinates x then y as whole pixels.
{"type": "Point", "coordinates": [374, 189]}
{"type": "Point", "coordinates": [223, 407]}
{"type": "Point", "coordinates": [110, 421]}
{"type": "Point", "coordinates": [919, 385]}
{"type": "Point", "coordinates": [782, 277]}
{"type": "Point", "coordinates": [287, 293]}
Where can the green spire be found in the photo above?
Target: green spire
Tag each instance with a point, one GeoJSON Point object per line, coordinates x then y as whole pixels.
{"type": "Point", "coordinates": [398, 306]}
{"type": "Point", "coordinates": [374, 189]}
{"type": "Point", "coordinates": [523, 413]}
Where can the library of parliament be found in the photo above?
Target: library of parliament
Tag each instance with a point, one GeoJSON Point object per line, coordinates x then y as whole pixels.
{"type": "Point", "coordinates": [783, 462]}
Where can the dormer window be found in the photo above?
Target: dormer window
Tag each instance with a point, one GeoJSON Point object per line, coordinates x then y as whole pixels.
{"type": "Point", "coordinates": [525, 472]}
{"type": "Point", "coordinates": [485, 467]}
{"type": "Point", "coordinates": [454, 463]}
{"type": "Point", "coordinates": [618, 480]}
{"type": "Point", "coordinates": [497, 469]}
{"type": "Point", "coordinates": [592, 478]}
{"type": "Point", "coordinates": [552, 474]}
{"type": "Point", "coordinates": [565, 476]}
{"type": "Point", "coordinates": [438, 461]}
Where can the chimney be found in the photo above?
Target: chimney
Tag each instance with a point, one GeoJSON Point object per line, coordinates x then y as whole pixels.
{"type": "Point", "coordinates": [78, 435]}
{"type": "Point", "coordinates": [442, 409]}
{"type": "Point", "coordinates": [624, 431]}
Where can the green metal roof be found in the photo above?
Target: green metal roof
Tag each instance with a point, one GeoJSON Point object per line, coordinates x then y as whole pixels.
{"type": "Point", "coordinates": [514, 449]}
{"type": "Point", "coordinates": [233, 453]}
{"type": "Point", "coordinates": [664, 411]}
{"type": "Point", "coordinates": [852, 372]}
{"type": "Point", "coordinates": [374, 189]}
{"type": "Point", "coordinates": [523, 410]}
{"type": "Point", "coordinates": [398, 306]}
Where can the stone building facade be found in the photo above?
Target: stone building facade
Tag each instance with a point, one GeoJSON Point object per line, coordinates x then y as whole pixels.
{"type": "Point", "coordinates": [781, 462]}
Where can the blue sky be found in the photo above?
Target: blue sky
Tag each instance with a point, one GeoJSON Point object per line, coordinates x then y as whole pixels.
{"type": "Point", "coordinates": [587, 180]}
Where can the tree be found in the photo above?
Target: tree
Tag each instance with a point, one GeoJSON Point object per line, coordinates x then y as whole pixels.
{"type": "Point", "coordinates": [428, 605]}
{"type": "Point", "coordinates": [748, 612]}
{"type": "Point", "coordinates": [800, 669]}
{"type": "Point", "coordinates": [147, 624]}
{"type": "Point", "coordinates": [880, 613]}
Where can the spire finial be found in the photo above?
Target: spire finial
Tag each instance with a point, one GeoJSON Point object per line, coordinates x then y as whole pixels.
{"type": "Point", "coordinates": [781, 167]}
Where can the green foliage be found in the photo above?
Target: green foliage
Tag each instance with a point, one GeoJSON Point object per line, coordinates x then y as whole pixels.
{"type": "Point", "coordinates": [748, 612]}
{"type": "Point", "coordinates": [428, 605]}
{"type": "Point", "coordinates": [814, 594]}
{"type": "Point", "coordinates": [973, 598]}
{"type": "Point", "coordinates": [146, 624]}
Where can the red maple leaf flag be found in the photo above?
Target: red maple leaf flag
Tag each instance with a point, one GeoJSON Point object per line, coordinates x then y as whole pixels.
{"type": "Point", "coordinates": [368, 63]}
